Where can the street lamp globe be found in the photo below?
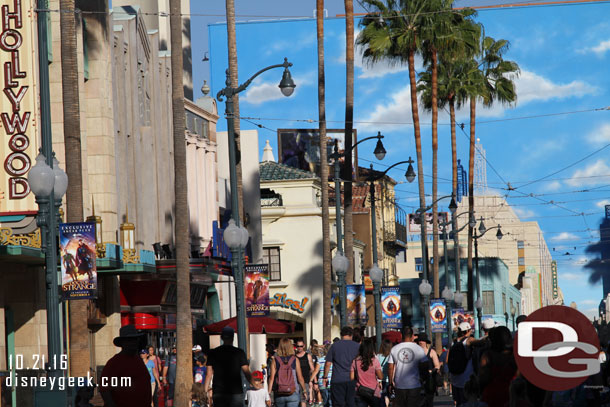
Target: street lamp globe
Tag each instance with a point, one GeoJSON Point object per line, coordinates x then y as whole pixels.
{"type": "Point", "coordinates": [499, 234]}
{"type": "Point", "coordinates": [287, 84]}
{"type": "Point", "coordinates": [478, 304]}
{"type": "Point", "coordinates": [472, 222]}
{"type": "Point", "coordinates": [425, 288]}
{"type": "Point", "coordinates": [447, 294]}
{"type": "Point", "coordinates": [379, 150]}
{"type": "Point", "coordinates": [376, 274]}
{"type": "Point", "coordinates": [410, 174]}
{"type": "Point", "coordinates": [482, 227]}
{"type": "Point", "coordinates": [453, 205]}
{"type": "Point", "coordinates": [458, 298]}
{"type": "Point", "coordinates": [340, 263]}
{"type": "Point", "coordinates": [41, 178]}
{"type": "Point", "coordinates": [513, 310]}
{"type": "Point", "coordinates": [61, 181]}
{"type": "Point", "coordinates": [232, 235]}
{"type": "Point", "coordinates": [244, 237]}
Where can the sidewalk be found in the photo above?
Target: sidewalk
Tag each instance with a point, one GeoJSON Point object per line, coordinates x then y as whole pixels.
{"type": "Point", "coordinates": [445, 401]}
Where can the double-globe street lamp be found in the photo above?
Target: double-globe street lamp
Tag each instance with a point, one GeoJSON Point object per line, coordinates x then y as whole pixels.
{"type": "Point", "coordinates": [476, 236]}
{"type": "Point", "coordinates": [49, 185]}
{"type": "Point", "coordinates": [425, 289]}
{"type": "Point", "coordinates": [287, 88]}
{"type": "Point", "coordinates": [513, 311]}
{"type": "Point", "coordinates": [448, 293]}
{"type": "Point", "coordinates": [375, 272]}
{"type": "Point", "coordinates": [340, 262]}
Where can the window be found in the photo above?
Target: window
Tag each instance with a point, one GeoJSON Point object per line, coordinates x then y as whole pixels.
{"type": "Point", "coordinates": [271, 256]}
{"type": "Point", "coordinates": [522, 261]}
{"type": "Point", "coordinates": [418, 264]}
{"type": "Point", "coordinates": [503, 303]}
{"type": "Point", "coordinates": [488, 303]}
{"type": "Point", "coordinates": [520, 244]}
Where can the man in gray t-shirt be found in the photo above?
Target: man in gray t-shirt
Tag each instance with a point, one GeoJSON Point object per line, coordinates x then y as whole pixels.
{"type": "Point", "coordinates": [340, 356]}
{"type": "Point", "coordinates": [404, 370]}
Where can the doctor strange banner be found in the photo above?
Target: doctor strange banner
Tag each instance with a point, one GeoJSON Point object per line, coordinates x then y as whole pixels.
{"type": "Point", "coordinates": [78, 269]}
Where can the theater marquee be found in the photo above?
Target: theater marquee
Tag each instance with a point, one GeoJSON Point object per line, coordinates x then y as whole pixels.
{"type": "Point", "coordinates": [18, 110]}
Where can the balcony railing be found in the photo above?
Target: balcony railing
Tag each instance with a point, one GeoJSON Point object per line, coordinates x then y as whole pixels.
{"type": "Point", "coordinates": [271, 201]}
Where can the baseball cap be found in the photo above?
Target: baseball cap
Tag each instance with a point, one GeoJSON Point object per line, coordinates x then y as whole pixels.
{"type": "Point", "coordinates": [143, 352]}
{"type": "Point", "coordinates": [257, 374]}
{"type": "Point", "coordinates": [464, 326]}
{"type": "Point", "coordinates": [227, 332]}
{"type": "Point", "coordinates": [488, 324]}
{"type": "Point", "coordinates": [196, 348]}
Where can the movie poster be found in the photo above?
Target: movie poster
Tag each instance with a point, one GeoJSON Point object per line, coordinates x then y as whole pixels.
{"type": "Point", "coordinates": [459, 316]}
{"type": "Point", "coordinates": [356, 305]}
{"type": "Point", "coordinates": [77, 256]}
{"type": "Point", "coordinates": [438, 315]}
{"type": "Point", "coordinates": [257, 290]}
{"type": "Point", "coordinates": [390, 308]}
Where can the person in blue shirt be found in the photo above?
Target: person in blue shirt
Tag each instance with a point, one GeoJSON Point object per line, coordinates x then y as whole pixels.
{"type": "Point", "coordinates": [340, 356]}
{"type": "Point", "coordinates": [199, 370]}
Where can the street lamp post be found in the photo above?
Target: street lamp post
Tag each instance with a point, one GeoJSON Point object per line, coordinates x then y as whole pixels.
{"type": "Point", "coordinates": [340, 264]}
{"type": "Point", "coordinates": [286, 87]}
{"type": "Point", "coordinates": [380, 153]}
{"type": "Point", "coordinates": [448, 295]}
{"type": "Point", "coordinates": [425, 289]}
{"type": "Point", "coordinates": [476, 237]}
{"type": "Point", "coordinates": [422, 224]}
{"type": "Point", "coordinates": [49, 185]}
{"type": "Point", "coordinates": [377, 277]}
{"type": "Point", "coordinates": [375, 271]}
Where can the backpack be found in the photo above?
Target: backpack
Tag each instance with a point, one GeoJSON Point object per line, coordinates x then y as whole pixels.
{"type": "Point", "coordinates": [285, 377]}
{"type": "Point", "coordinates": [458, 360]}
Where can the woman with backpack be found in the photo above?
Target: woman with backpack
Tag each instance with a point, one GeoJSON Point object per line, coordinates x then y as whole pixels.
{"type": "Point", "coordinates": [384, 356]}
{"type": "Point", "coordinates": [433, 366]}
{"type": "Point", "coordinates": [286, 376]}
{"type": "Point", "coordinates": [366, 371]}
{"type": "Point", "coordinates": [498, 368]}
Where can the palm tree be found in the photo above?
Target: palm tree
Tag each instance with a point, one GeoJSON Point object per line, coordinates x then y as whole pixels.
{"type": "Point", "coordinates": [184, 345]}
{"type": "Point", "coordinates": [79, 330]}
{"type": "Point", "coordinates": [326, 260]}
{"type": "Point", "coordinates": [349, 125]}
{"type": "Point", "coordinates": [391, 32]}
{"type": "Point", "coordinates": [490, 80]}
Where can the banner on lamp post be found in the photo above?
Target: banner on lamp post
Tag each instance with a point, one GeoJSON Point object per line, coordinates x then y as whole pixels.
{"type": "Point", "coordinates": [356, 305]}
{"type": "Point", "coordinates": [459, 315]}
{"type": "Point", "coordinates": [438, 315]}
{"type": "Point", "coordinates": [78, 257]}
{"type": "Point", "coordinates": [390, 308]}
{"type": "Point", "coordinates": [257, 290]}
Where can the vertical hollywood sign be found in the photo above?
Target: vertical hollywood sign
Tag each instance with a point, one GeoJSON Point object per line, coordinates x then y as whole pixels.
{"type": "Point", "coordinates": [17, 163]}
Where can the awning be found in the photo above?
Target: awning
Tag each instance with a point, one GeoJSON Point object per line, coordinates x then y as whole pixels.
{"type": "Point", "coordinates": [256, 325]}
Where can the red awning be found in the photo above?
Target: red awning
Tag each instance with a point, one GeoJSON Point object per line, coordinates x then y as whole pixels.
{"type": "Point", "coordinates": [392, 336]}
{"type": "Point", "coordinates": [256, 325]}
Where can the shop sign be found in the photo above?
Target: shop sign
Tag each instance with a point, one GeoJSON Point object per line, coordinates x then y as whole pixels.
{"type": "Point", "coordinates": [19, 141]}
{"type": "Point", "coordinates": [282, 300]}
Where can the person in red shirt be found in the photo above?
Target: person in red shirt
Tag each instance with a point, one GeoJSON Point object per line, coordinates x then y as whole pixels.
{"type": "Point", "coordinates": [126, 366]}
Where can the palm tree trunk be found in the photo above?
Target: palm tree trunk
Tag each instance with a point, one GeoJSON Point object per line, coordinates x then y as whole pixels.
{"type": "Point", "coordinates": [473, 105]}
{"type": "Point", "coordinates": [438, 336]}
{"type": "Point", "coordinates": [79, 331]}
{"type": "Point", "coordinates": [455, 182]}
{"type": "Point", "coordinates": [184, 334]}
{"type": "Point", "coordinates": [349, 125]}
{"type": "Point", "coordinates": [417, 132]}
{"type": "Point", "coordinates": [326, 259]}
{"type": "Point", "coordinates": [232, 47]}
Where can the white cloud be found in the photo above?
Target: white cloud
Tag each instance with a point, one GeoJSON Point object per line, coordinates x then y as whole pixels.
{"type": "Point", "coordinates": [524, 213]}
{"type": "Point", "coordinates": [570, 276]}
{"type": "Point", "coordinates": [588, 302]}
{"type": "Point", "coordinates": [533, 87]}
{"type": "Point", "coordinates": [260, 92]}
{"type": "Point", "coordinates": [602, 204]}
{"type": "Point", "coordinates": [563, 236]}
{"type": "Point", "coordinates": [595, 173]}
{"type": "Point", "coordinates": [303, 42]}
{"type": "Point", "coordinates": [601, 135]}
{"type": "Point", "coordinates": [551, 186]}
{"type": "Point", "coordinates": [600, 49]}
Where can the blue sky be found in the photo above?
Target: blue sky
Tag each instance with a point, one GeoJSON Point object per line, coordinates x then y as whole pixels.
{"type": "Point", "coordinates": [563, 52]}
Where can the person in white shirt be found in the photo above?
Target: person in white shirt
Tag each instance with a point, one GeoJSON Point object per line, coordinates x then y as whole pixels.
{"type": "Point", "coordinates": [404, 370]}
{"type": "Point", "coordinates": [258, 396]}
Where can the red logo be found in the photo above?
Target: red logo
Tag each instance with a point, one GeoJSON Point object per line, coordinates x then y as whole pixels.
{"type": "Point", "coordinates": [556, 348]}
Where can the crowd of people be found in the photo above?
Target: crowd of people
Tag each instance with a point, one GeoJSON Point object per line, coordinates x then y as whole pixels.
{"type": "Point", "coordinates": [350, 372]}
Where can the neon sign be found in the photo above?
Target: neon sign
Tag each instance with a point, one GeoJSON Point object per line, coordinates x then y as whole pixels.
{"type": "Point", "coordinates": [282, 300]}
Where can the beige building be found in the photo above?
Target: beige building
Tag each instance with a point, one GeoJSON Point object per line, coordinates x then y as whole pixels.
{"type": "Point", "coordinates": [522, 248]}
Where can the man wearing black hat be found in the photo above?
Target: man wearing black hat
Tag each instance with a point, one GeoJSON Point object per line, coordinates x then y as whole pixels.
{"type": "Point", "coordinates": [226, 364]}
{"type": "Point", "coordinates": [126, 364]}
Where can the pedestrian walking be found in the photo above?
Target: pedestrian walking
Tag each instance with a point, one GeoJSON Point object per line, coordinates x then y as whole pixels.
{"type": "Point", "coordinates": [340, 357]}
{"type": "Point", "coordinates": [152, 371]}
{"type": "Point", "coordinates": [404, 370]}
{"type": "Point", "coordinates": [324, 385]}
{"type": "Point", "coordinates": [431, 369]}
{"type": "Point", "coordinates": [200, 370]}
{"type": "Point", "coordinates": [169, 376]}
{"type": "Point", "coordinates": [286, 376]}
{"type": "Point", "coordinates": [307, 367]}
{"type": "Point", "coordinates": [366, 371]}
{"type": "Point", "coordinates": [126, 363]}
{"type": "Point", "coordinates": [498, 368]}
{"type": "Point", "coordinates": [257, 396]}
{"type": "Point", "coordinates": [226, 364]}
{"type": "Point", "coordinates": [444, 372]}
{"type": "Point", "coordinates": [459, 361]}
{"type": "Point", "coordinates": [158, 369]}
{"type": "Point", "coordinates": [384, 357]}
